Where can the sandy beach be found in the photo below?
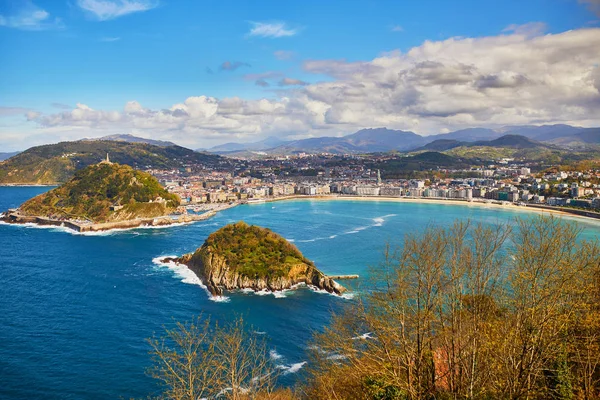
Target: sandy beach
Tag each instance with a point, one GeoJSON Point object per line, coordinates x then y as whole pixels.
{"type": "Point", "coordinates": [455, 202]}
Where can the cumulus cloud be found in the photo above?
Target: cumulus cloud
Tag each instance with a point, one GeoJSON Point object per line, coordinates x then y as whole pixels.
{"type": "Point", "coordinates": [397, 28]}
{"type": "Point", "coordinates": [29, 17]}
{"type": "Point", "coordinates": [104, 10]}
{"type": "Point", "coordinates": [232, 65]}
{"type": "Point", "coordinates": [271, 30]}
{"type": "Point", "coordinates": [457, 83]}
{"type": "Point", "coordinates": [261, 83]}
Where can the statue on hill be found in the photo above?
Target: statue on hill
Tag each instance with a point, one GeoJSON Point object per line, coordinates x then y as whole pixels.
{"type": "Point", "coordinates": [107, 161]}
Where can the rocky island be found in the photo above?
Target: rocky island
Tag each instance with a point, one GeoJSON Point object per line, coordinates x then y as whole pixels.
{"type": "Point", "coordinates": [241, 256]}
{"type": "Point", "coordinates": [100, 197]}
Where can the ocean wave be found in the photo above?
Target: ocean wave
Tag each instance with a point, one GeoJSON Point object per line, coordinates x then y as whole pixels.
{"type": "Point", "coordinates": [364, 336]}
{"type": "Point", "coordinates": [292, 368]}
{"type": "Point", "coordinates": [274, 355]}
{"type": "Point", "coordinates": [377, 221]}
{"type": "Point", "coordinates": [187, 276]}
{"type": "Point", "coordinates": [278, 294]}
{"type": "Point", "coordinates": [346, 296]}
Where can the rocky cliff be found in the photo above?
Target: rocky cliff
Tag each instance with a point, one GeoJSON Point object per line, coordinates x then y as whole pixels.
{"type": "Point", "coordinates": [240, 256]}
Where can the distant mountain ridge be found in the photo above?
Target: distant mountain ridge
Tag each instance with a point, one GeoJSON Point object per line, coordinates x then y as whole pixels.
{"type": "Point", "coordinates": [131, 139]}
{"type": "Point", "coordinates": [6, 156]}
{"type": "Point", "coordinates": [385, 140]}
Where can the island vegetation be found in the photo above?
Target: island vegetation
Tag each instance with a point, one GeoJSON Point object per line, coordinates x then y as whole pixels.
{"type": "Point", "coordinates": [240, 256]}
{"type": "Point", "coordinates": [104, 192]}
{"type": "Point", "coordinates": [466, 312]}
{"type": "Point", "coordinates": [254, 251]}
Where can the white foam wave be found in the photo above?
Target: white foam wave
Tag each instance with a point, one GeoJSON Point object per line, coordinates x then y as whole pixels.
{"type": "Point", "coordinates": [308, 240]}
{"type": "Point", "coordinates": [274, 355]}
{"type": "Point", "coordinates": [347, 296]}
{"type": "Point", "coordinates": [187, 276]}
{"type": "Point", "coordinates": [377, 221]}
{"type": "Point", "coordinates": [278, 294]}
{"type": "Point", "coordinates": [364, 336]}
{"type": "Point", "coordinates": [293, 368]}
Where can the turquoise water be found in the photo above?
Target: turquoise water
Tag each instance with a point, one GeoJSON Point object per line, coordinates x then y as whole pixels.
{"type": "Point", "coordinates": [75, 310]}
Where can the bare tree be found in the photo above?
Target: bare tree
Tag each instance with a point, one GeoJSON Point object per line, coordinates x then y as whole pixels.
{"type": "Point", "coordinates": [198, 360]}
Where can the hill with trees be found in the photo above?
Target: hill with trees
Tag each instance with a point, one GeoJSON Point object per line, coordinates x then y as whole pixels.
{"type": "Point", "coordinates": [240, 256]}
{"type": "Point", "coordinates": [56, 163]}
{"type": "Point", "coordinates": [104, 192]}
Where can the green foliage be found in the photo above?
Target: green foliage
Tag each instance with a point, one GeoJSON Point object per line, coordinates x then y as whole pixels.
{"type": "Point", "coordinates": [93, 190]}
{"type": "Point", "coordinates": [379, 389]}
{"type": "Point", "coordinates": [411, 166]}
{"type": "Point", "coordinates": [253, 251]}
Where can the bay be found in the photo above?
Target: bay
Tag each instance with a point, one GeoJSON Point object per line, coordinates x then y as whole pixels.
{"type": "Point", "coordinates": [76, 310]}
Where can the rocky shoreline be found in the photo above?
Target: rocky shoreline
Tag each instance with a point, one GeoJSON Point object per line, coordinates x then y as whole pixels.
{"type": "Point", "coordinates": [14, 217]}
{"type": "Point", "coordinates": [214, 273]}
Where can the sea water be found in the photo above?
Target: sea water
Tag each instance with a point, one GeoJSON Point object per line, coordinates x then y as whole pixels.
{"type": "Point", "coordinates": [76, 310]}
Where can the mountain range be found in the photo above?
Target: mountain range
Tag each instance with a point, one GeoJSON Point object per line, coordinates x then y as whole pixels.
{"type": "Point", "coordinates": [384, 140]}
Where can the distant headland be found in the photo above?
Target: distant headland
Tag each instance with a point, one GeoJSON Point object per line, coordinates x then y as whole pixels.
{"type": "Point", "coordinates": [100, 197]}
{"type": "Point", "coordinates": [241, 256]}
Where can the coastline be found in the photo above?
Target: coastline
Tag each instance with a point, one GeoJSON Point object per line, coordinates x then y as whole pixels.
{"type": "Point", "coordinates": [12, 217]}
{"type": "Point", "coordinates": [164, 221]}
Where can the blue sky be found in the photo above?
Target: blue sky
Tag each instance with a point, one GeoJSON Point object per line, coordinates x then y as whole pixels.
{"type": "Point", "coordinates": [158, 53]}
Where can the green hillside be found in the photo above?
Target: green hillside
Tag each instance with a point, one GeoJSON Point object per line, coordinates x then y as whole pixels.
{"type": "Point", "coordinates": [92, 192]}
{"type": "Point", "coordinates": [253, 251]}
{"type": "Point", "coordinates": [55, 163]}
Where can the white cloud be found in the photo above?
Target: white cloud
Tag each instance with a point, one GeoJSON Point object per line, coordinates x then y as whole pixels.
{"type": "Point", "coordinates": [271, 30]}
{"type": "Point", "coordinates": [29, 17]}
{"type": "Point", "coordinates": [457, 83]}
{"type": "Point", "coordinates": [103, 10]}
{"type": "Point", "coordinates": [397, 28]}
{"type": "Point", "coordinates": [110, 39]}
